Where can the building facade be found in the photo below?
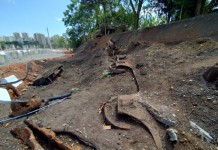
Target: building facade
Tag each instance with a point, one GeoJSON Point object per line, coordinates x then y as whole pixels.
{"type": "Point", "coordinates": [40, 38]}
{"type": "Point", "coordinates": [25, 36]}
{"type": "Point", "coordinates": [17, 37]}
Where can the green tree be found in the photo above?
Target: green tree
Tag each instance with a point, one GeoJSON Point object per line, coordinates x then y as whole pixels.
{"type": "Point", "coordinates": [180, 9]}
{"type": "Point", "coordinates": [211, 6]}
{"type": "Point", "coordinates": [79, 19]}
{"type": "Point", "coordinates": [59, 42]}
{"type": "Point", "coordinates": [2, 45]}
{"type": "Point", "coordinates": [83, 18]}
{"type": "Point", "coordinates": [149, 20]}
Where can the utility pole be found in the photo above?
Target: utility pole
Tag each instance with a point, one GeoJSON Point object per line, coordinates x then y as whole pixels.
{"type": "Point", "coordinates": [49, 42]}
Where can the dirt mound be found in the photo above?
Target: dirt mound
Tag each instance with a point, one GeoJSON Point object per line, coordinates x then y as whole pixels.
{"type": "Point", "coordinates": [198, 27]}
{"type": "Point", "coordinates": [168, 63]}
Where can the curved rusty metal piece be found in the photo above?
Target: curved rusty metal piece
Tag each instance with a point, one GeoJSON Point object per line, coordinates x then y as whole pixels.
{"type": "Point", "coordinates": [122, 61]}
{"type": "Point", "coordinates": [49, 134]}
{"type": "Point", "coordinates": [128, 105]}
{"type": "Point", "coordinates": [110, 115]}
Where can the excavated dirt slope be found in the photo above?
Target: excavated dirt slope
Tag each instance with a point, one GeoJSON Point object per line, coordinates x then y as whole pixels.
{"type": "Point", "coordinates": [168, 62]}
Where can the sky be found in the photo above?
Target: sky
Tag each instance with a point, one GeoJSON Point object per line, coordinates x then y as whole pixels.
{"type": "Point", "coordinates": [32, 16]}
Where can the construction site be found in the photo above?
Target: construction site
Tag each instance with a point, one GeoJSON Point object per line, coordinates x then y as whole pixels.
{"type": "Point", "coordinates": [149, 89]}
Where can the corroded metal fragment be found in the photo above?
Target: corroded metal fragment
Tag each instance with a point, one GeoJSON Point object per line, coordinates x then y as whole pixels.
{"type": "Point", "coordinates": [110, 114]}
{"type": "Point", "coordinates": [128, 105]}
{"type": "Point", "coordinates": [50, 135]}
{"type": "Point", "coordinates": [26, 135]}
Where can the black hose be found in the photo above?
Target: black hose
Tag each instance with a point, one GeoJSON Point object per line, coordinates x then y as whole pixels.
{"type": "Point", "coordinates": [56, 97]}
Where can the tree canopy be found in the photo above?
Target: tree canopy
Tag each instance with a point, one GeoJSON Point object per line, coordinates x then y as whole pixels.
{"type": "Point", "coordinates": [84, 17]}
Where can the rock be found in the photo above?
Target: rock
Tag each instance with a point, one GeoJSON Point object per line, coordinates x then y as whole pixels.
{"type": "Point", "coordinates": [172, 133]}
{"type": "Point", "coordinates": [201, 131]}
{"type": "Point", "coordinates": [139, 65]}
{"type": "Point", "coordinates": [211, 74]}
{"type": "Point", "coordinates": [161, 116]}
{"type": "Point", "coordinates": [209, 98]}
{"type": "Point", "coordinates": [215, 102]}
{"type": "Point", "coordinates": [143, 71]}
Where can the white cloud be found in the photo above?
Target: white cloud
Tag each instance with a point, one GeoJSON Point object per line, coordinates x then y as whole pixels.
{"type": "Point", "coordinates": [58, 19]}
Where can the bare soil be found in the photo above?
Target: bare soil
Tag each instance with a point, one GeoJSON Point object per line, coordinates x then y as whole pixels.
{"type": "Point", "coordinates": [170, 77]}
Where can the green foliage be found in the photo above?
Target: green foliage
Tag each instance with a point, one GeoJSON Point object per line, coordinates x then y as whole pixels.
{"type": "Point", "coordinates": [79, 18]}
{"type": "Point", "coordinates": [59, 42]}
{"type": "Point", "coordinates": [150, 21]}
{"type": "Point", "coordinates": [2, 45]}
{"type": "Point", "coordinates": [182, 9]}
{"type": "Point", "coordinates": [84, 17]}
{"type": "Point", "coordinates": [106, 73]}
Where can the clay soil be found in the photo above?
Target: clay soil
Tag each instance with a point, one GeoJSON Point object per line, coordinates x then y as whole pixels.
{"type": "Point", "coordinates": [170, 78]}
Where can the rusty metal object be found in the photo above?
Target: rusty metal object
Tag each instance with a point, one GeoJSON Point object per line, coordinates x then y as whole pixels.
{"type": "Point", "coordinates": [49, 76]}
{"type": "Point", "coordinates": [128, 105]}
{"type": "Point", "coordinates": [26, 135]}
{"type": "Point", "coordinates": [114, 70]}
{"type": "Point", "coordinates": [11, 87]}
{"type": "Point", "coordinates": [22, 108]}
{"type": "Point", "coordinates": [50, 135]}
{"type": "Point", "coordinates": [123, 62]}
{"type": "Point", "coordinates": [110, 115]}
{"type": "Point", "coordinates": [82, 140]}
{"type": "Point", "coordinates": [112, 48]}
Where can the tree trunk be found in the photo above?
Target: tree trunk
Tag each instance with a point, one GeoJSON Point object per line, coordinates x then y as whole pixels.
{"type": "Point", "coordinates": [136, 12]}
{"type": "Point", "coordinates": [199, 7]}
{"type": "Point", "coordinates": [136, 22]}
{"type": "Point", "coordinates": [168, 17]}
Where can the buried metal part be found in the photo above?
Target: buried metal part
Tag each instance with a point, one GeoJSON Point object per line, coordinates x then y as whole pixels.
{"type": "Point", "coordinates": [128, 105]}
{"type": "Point", "coordinates": [123, 62]}
{"type": "Point", "coordinates": [31, 112]}
{"type": "Point", "coordinates": [48, 76]}
{"type": "Point", "coordinates": [50, 135]}
{"type": "Point", "coordinates": [110, 115]}
{"type": "Point", "coordinates": [27, 136]}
